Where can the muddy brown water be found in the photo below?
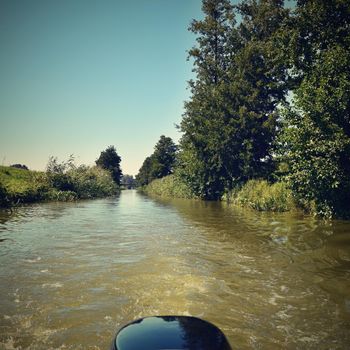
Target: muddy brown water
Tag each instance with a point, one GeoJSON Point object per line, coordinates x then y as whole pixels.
{"type": "Point", "coordinates": [72, 273]}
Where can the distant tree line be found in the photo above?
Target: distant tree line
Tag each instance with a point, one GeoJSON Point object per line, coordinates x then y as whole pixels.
{"type": "Point", "coordinates": [270, 100]}
{"type": "Point", "coordinates": [19, 166]}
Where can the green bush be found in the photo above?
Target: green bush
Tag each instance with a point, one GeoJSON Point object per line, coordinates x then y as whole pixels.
{"type": "Point", "coordinates": [4, 196]}
{"type": "Point", "coordinates": [169, 186]}
{"type": "Point", "coordinates": [91, 182]}
{"type": "Point", "coordinates": [61, 182]}
{"type": "Point", "coordinates": [22, 186]}
{"type": "Point", "coordinates": [260, 195]}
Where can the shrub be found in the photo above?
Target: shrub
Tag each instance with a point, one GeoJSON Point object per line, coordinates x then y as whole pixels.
{"type": "Point", "coordinates": [260, 195]}
{"type": "Point", "coordinates": [4, 196]}
{"type": "Point", "coordinates": [169, 186]}
{"type": "Point", "coordinates": [19, 166]}
{"type": "Point", "coordinates": [61, 182]}
{"type": "Point", "coordinates": [57, 195]}
{"type": "Point", "coordinates": [64, 182]}
{"type": "Point", "coordinates": [91, 182]}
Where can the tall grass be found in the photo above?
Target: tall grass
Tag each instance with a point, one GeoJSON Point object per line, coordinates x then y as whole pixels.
{"type": "Point", "coordinates": [263, 196]}
{"type": "Point", "coordinates": [168, 186]}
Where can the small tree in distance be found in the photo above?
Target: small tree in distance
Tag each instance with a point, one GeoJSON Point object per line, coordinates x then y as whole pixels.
{"type": "Point", "coordinates": [160, 163]}
{"type": "Point", "coordinates": [110, 160]}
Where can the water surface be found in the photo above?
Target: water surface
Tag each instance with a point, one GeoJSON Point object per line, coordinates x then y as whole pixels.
{"type": "Point", "coordinates": [73, 273]}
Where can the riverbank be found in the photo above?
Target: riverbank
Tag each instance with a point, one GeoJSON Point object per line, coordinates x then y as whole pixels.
{"type": "Point", "coordinates": [168, 186]}
{"type": "Point", "coordinates": [18, 186]}
{"type": "Point", "coordinates": [255, 194]}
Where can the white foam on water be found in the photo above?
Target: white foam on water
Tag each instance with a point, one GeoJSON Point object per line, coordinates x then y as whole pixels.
{"type": "Point", "coordinates": [31, 261]}
{"type": "Point", "coordinates": [52, 285]}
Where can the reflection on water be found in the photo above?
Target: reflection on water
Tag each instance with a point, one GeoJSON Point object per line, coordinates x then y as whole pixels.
{"type": "Point", "coordinates": [72, 273]}
{"type": "Point", "coordinates": [170, 332]}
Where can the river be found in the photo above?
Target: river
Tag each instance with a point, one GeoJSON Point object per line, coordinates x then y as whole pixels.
{"type": "Point", "coordinates": [72, 273]}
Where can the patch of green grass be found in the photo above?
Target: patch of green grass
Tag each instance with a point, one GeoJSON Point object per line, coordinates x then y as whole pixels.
{"type": "Point", "coordinates": [21, 186]}
{"type": "Point", "coordinates": [263, 196]}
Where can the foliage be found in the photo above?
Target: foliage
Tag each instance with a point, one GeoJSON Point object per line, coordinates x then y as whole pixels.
{"type": "Point", "coordinates": [4, 196]}
{"type": "Point", "coordinates": [260, 195]}
{"type": "Point", "coordinates": [54, 166]}
{"type": "Point", "coordinates": [110, 160]}
{"type": "Point", "coordinates": [19, 186]}
{"type": "Point", "coordinates": [231, 117]}
{"type": "Point", "coordinates": [160, 163]}
{"type": "Point", "coordinates": [169, 186]}
{"type": "Point", "coordinates": [164, 155]}
{"type": "Point", "coordinates": [19, 166]}
{"type": "Point", "coordinates": [245, 72]}
{"type": "Point", "coordinates": [91, 182]}
{"type": "Point", "coordinates": [128, 181]}
{"type": "Point", "coordinates": [56, 173]}
{"type": "Point", "coordinates": [145, 174]}
{"type": "Point", "coordinates": [315, 138]}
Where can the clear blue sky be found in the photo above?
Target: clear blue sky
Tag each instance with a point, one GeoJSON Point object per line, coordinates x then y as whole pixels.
{"type": "Point", "coordinates": [80, 75]}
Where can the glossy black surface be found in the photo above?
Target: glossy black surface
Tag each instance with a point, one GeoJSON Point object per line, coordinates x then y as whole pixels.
{"type": "Point", "coordinates": [170, 332]}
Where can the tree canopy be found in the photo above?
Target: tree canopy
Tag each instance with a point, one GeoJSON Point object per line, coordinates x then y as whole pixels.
{"type": "Point", "coordinates": [315, 138]}
{"type": "Point", "coordinates": [160, 163]}
{"type": "Point", "coordinates": [110, 160]}
{"type": "Point", "coordinates": [231, 117]}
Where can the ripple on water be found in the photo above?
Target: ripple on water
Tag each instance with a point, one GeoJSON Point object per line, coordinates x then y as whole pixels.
{"type": "Point", "coordinates": [77, 271]}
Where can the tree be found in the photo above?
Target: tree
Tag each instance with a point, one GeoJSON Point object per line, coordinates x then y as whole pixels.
{"type": "Point", "coordinates": [19, 166]}
{"type": "Point", "coordinates": [110, 160]}
{"type": "Point", "coordinates": [315, 138]}
{"type": "Point", "coordinates": [231, 118]}
{"type": "Point", "coordinates": [145, 174]}
{"type": "Point", "coordinates": [202, 122]}
{"type": "Point", "coordinates": [164, 155]}
{"type": "Point", "coordinates": [160, 163]}
{"type": "Point", "coordinates": [258, 83]}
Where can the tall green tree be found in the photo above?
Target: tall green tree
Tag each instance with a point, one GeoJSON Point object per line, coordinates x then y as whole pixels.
{"type": "Point", "coordinates": [202, 122]}
{"type": "Point", "coordinates": [160, 163]}
{"type": "Point", "coordinates": [165, 156]}
{"type": "Point", "coordinates": [145, 174]}
{"type": "Point", "coordinates": [110, 160]}
{"type": "Point", "coordinates": [315, 138]}
{"type": "Point", "coordinates": [231, 118]}
{"type": "Point", "coordinates": [257, 85]}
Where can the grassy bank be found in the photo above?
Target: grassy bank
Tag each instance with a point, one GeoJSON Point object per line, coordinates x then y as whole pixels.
{"type": "Point", "coordinates": [263, 196]}
{"type": "Point", "coordinates": [255, 194]}
{"type": "Point", "coordinates": [19, 186]}
{"type": "Point", "coordinates": [168, 186]}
